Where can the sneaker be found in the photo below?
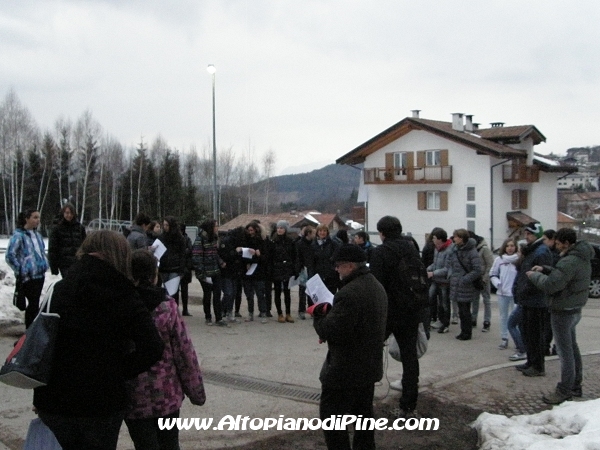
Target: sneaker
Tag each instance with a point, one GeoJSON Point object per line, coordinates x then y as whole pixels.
{"type": "Point", "coordinates": [443, 330]}
{"type": "Point", "coordinates": [556, 398]}
{"type": "Point", "coordinates": [522, 367]}
{"type": "Point", "coordinates": [396, 385]}
{"type": "Point", "coordinates": [533, 372]}
{"type": "Point", "coordinates": [454, 321]}
{"type": "Point", "coordinates": [503, 345]}
{"type": "Point", "coordinates": [437, 325]}
{"type": "Point", "coordinates": [269, 314]}
{"type": "Point", "coordinates": [237, 314]}
{"type": "Point", "coordinates": [463, 337]}
{"type": "Point", "coordinates": [221, 323]}
{"type": "Point", "coordinates": [517, 357]}
{"type": "Point", "coordinates": [486, 327]}
{"type": "Point", "coordinates": [186, 313]}
{"type": "Point", "coordinates": [231, 318]}
{"type": "Point", "coordinates": [301, 315]}
{"type": "Point", "coordinates": [264, 319]}
{"type": "Point", "coordinates": [208, 322]}
{"type": "Point", "coordinates": [250, 317]}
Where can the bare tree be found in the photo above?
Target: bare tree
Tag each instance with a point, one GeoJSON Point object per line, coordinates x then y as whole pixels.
{"type": "Point", "coordinates": [88, 133]}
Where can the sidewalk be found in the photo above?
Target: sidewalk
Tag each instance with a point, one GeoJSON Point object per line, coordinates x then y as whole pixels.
{"type": "Point", "coordinates": [267, 370]}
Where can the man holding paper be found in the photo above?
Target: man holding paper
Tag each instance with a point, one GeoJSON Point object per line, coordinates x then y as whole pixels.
{"type": "Point", "coordinates": [354, 329]}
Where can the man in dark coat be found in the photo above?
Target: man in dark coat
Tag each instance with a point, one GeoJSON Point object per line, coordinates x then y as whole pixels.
{"type": "Point", "coordinates": [402, 320]}
{"type": "Point", "coordinates": [354, 330]}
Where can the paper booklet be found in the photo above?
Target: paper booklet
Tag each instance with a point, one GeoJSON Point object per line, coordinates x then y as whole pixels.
{"type": "Point", "coordinates": [317, 291]}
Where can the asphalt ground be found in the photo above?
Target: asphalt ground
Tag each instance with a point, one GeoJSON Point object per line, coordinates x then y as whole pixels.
{"type": "Point", "coordinates": [271, 370]}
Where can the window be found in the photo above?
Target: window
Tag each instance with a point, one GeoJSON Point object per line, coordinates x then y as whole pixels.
{"type": "Point", "coordinates": [519, 199]}
{"type": "Point", "coordinates": [471, 225]}
{"type": "Point", "coordinates": [470, 211]}
{"type": "Point", "coordinates": [470, 193]}
{"type": "Point", "coordinates": [433, 158]}
{"type": "Point", "coordinates": [432, 200]}
{"type": "Point", "coordinates": [400, 160]}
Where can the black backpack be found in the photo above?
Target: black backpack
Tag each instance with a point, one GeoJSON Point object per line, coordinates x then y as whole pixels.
{"type": "Point", "coordinates": [412, 277]}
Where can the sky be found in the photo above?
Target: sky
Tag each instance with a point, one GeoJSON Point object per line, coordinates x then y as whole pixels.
{"type": "Point", "coordinates": [310, 80]}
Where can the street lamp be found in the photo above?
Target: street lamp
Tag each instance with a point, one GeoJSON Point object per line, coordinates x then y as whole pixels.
{"type": "Point", "coordinates": [211, 69]}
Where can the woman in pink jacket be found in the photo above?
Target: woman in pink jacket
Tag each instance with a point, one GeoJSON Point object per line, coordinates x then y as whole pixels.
{"type": "Point", "coordinates": [159, 392]}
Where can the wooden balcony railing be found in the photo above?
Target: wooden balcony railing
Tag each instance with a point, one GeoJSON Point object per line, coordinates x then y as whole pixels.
{"type": "Point", "coordinates": [408, 175]}
{"type": "Point", "coordinates": [520, 173]}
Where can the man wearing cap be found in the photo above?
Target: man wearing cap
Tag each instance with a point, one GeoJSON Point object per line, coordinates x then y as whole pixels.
{"type": "Point", "coordinates": [354, 329]}
{"type": "Point", "coordinates": [533, 301]}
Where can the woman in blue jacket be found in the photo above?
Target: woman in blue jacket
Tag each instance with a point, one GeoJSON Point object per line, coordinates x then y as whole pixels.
{"type": "Point", "coordinates": [27, 258]}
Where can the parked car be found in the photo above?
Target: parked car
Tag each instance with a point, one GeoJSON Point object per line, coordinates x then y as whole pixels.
{"type": "Point", "coordinates": [595, 283]}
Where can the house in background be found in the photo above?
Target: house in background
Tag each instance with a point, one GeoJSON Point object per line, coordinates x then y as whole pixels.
{"type": "Point", "coordinates": [296, 220]}
{"type": "Point", "coordinates": [453, 175]}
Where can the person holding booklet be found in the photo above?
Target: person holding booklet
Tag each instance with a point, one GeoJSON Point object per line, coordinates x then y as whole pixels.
{"type": "Point", "coordinates": [172, 261]}
{"type": "Point", "coordinates": [283, 265]}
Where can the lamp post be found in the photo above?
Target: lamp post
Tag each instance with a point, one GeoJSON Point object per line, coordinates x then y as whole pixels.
{"type": "Point", "coordinates": [211, 69]}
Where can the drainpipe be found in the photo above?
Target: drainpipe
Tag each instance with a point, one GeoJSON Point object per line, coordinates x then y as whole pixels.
{"type": "Point", "coordinates": [492, 201]}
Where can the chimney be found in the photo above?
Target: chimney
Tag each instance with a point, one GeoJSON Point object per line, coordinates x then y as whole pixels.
{"type": "Point", "coordinates": [415, 113]}
{"type": "Point", "coordinates": [469, 123]}
{"type": "Point", "coordinates": [457, 122]}
{"type": "Point", "coordinates": [475, 127]}
{"type": "Point", "coordinates": [497, 124]}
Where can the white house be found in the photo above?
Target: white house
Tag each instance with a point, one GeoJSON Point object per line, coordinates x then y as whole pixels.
{"type": "Point", "coordinates": [584, 179]}
{"type": "Point", "coordinates": [453, 175]}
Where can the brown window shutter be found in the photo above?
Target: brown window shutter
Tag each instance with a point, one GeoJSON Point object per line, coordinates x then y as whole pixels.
{"type": "Point", "coordinates": [421, 158]}
{"type": "Point", "coordinates": [524, 204]}
{"type": "Point", "coordinates": [444, 157]}
{"type": "Point", "coordinates": [410, 159]}
{"type": "Point", "coordinates": [515, 199]}
{"type": "Point", "coordinates": [389, 161]}
{"type": "Point", "coordinates": [422, 200]}
{"type": "Point", "coordinates": [444, 201]}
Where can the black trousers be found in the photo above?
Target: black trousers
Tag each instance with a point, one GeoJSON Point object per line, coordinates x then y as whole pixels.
{"type": "Point", "coordinates": [352, 401]}
{"type": "Point", "coordinates": [466, 321]}
{"type": "Point", "coordinates": [146, 435]}
{"type": "Point", "coordinates": [406, 330]}
{"type": "Point", "coordinates": [533, 330]}
{"type": "Point", "coordinates": [32, 290]}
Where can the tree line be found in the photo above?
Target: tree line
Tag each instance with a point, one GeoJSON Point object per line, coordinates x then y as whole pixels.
{"type": "Point", "coordinates": [79, 162]}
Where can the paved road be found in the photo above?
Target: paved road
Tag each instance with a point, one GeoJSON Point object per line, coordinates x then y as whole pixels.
{"type": "Point", "coordinates": [257, 370]}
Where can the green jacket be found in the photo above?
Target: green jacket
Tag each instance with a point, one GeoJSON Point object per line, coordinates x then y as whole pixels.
{"type": "Point", "coordinates": [567, 284]}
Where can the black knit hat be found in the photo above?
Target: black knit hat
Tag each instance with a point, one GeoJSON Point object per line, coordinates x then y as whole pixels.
{"type": "Point", "coordinates": [350, 253]}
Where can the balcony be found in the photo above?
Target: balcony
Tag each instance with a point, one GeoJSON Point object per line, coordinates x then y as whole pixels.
{"type": "Point", "coordinates": [520, 173]}
{"type": "Point", "coordinates": [408, 175]}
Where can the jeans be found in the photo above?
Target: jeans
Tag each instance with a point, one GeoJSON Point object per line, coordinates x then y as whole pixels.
{"type": "Point", "coordinates": [505, 307]}
{"type": "Point", "coordinates": [212, 291]}
{"type": "Point", "coordinates": [565, 337]}
{"type": "Point", "coordinates": [355, 401]}
{"type": "Point", "coordinates": [303, 299]}
{"type": "Point", "coordinates": [282, 286]}
{"type": "Point", "coordinates": [533, 330]}
{"type": "Point", "coordinates": [515, 320]}
{"type": "Point", "coordinates": [487, 305]}
{"type": "Point", "coordinates": [146, 435]}
{"type": "Point", "coordinates": [406, 330]}
{"type": "Point", "coordinates": [268, 294]}
{"type": "Point", "coordinates": [90, 433]}
{"type": "Point", "coordinates": [438, 293]}
{"type": "Point", "coordinates": [229, 287]}
{"type": "Point", "coordinates": [252, 286]}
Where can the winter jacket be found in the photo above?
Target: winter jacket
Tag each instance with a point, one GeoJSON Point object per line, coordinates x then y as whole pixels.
{"type": "Point", "coordinates": [160, 391]}
{"type": "Point", "coordinates": [428, 253]}
{"type": "Point", "coordinates": [283, 258]}
{"type": "Point", "coordinates": [439, 266]}
{"type": "Point", "coordinates": [22, 257]}
{"type": "Point", "coordinates": [384, 265]}
{"type": "Point", "coordinates": [503, 274]}
{"type": "Point", "coordinates": [205, 256]}
{"type": "Point", "coordinates": [137, 238]}
{"type": "Point", "coordinates": [63, 243]}
{"type": "Point", "coordinates": [487, 259]}
{"type": "Point", "coordinates": [188, 266]}
{"type": "Point", "coordinates": [367, 247]}
{"type": "Point", "coordinates": [322, 263]}
{"type": "Point", "coordinates": [304, 253]}
{"type": "Point", "coordinates": [524, 291]}
{"type": "Point", "coordinates": [354, 330]}
{"type": "Point", "coordinates": [461, 280]}
{"type": "Point", "coordinates": [261, 261]}
{"type": "Point", "coordinates": [173, 260]}
{"type": "Point", "coordinates": [568, 282]}
{"type": "Point", "coordinates": [106, 336]}
{"type": "Point", "coordinates": [234, 267]}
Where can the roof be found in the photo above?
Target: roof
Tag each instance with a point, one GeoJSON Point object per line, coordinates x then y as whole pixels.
{"type": "Point", "coordinates": [519, 218]}
{"type": "Point", "coordinates": [551, 165]}
{"type": "Point", "coordinates": [296, 220]}
{"type": "Point", "coordinates": [565, 218]}
{"type": "Point", "coordinates": [489, 141]}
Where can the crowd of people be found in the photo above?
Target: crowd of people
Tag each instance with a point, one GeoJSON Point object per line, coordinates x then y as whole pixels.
{"type": "Point", "coordinates": [133, 328]}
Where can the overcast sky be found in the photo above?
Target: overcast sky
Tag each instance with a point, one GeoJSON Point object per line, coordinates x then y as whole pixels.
{"type": "Point", "coordinates": [308, 79]}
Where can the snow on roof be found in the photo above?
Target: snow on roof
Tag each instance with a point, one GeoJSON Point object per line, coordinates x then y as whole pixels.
{"type": "Point", "coordinates": [548, 162]}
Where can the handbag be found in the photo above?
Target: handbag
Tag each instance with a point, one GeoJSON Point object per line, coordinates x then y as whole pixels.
{"type": "Point", "coordinates": [422, 343]}
{"type": "Point", "coordinates": [29, 363]}
{"type": "Point", "coordinates": [477, 282]}
{"type": "Point", "coordinates": [40, 437]}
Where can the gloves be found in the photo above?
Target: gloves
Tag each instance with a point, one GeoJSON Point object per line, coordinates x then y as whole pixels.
{"type": "Point", "coordinates": [319, 309]}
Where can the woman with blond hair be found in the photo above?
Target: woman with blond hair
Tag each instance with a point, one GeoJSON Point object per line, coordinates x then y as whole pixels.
{"type": "Point", "coordinates": [106, 336]}
{"type": "Point", "coordinates": [322, 264]}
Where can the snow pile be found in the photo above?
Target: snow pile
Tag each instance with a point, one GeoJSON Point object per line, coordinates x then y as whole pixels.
{"type": "Point", "coordinates": [9, 314]}
{"type": "Point", "coordinates": [572, 425]}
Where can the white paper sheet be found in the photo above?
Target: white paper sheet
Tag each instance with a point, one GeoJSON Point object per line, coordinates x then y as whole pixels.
{"type": "Point", "coordinates": [246, 253]}
{"type": "Point", "coordinates": [251, 269]}
{"type": "Point", "coordinates": [293, 282]}
{"type": "Point", "coordinates": [159, 250]}
{"type": "Point", "coordinates": [172, 285]}
{"type": "Point", "coordinates": [317, 291]}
